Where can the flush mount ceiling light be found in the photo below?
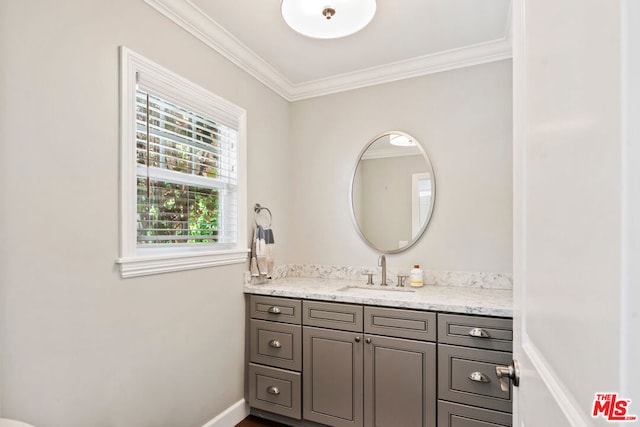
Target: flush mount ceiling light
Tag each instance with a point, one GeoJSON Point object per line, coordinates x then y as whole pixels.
{"type": "Point", "coordinates": [328, 19]}
{"type": "Point", "coordinates": [402, 141]}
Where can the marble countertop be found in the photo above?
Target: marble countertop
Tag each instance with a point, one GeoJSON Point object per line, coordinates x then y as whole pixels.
{"type": "Point", "coordinates": [455, 299]}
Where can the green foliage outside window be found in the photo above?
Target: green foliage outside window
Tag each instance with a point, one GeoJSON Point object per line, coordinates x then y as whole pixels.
{"type": "Point", "coordinates": [174, 213]}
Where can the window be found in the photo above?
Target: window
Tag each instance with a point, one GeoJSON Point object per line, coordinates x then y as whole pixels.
{"type": "Point", "coordinates": [421, 194]}
{"type": "Point", "coordinates": [183, 179]}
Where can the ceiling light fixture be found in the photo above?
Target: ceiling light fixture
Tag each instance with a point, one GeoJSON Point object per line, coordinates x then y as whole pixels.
{"type": "Point", "coordinates": [402, 141]}
{"type": "Point", "coordinates": [328, 19]}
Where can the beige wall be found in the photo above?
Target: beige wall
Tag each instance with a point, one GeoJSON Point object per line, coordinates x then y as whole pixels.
{"type": "Point", "coordinates": [463, 120]}
{"type": "Point", "coordinates": [79, 346]}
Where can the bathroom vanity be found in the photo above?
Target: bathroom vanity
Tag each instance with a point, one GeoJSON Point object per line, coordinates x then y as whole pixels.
{"type": "Point", "coordinates": [326, 349]}
{"type": "Point", "coordinates": [338, 353]}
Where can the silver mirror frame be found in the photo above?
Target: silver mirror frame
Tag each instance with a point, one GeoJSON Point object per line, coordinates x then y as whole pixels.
{"type": "Point", "coordinates": [424, 226]}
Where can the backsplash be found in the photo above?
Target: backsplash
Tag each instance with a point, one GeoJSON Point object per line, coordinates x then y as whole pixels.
{"type": "Point", "coordinates": [471, 279]}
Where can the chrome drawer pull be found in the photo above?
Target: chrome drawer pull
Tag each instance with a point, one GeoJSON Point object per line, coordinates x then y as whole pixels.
{"type": "Point", "coordinates": [273, 390]}
{"type": "Point", "coordinates": [274, 310]}
{"type": "Point", "coordinates": [479, 377]}
{"type": "Point", "coordinates": [478, 333]}
{"type": "Point", "coordinates": [275, 344]}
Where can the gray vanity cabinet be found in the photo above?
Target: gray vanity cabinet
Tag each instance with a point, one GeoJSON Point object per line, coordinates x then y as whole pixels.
{"type": "Point", "coordinates": [274, 353]}
{"type": "Point", "coordinates": [469, 392]}
{"type": "Point", "coordinates": [315, 364]}
{"type": "Point", "coordinates": [396, 375]}
{"type": "Point", "coordinates": [332, 358]}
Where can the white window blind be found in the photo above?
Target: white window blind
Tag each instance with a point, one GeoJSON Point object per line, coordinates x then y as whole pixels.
{"type": "Point", "coordinates": [186, 175]}
{"type": "Point", "coordinates": [182, 173]}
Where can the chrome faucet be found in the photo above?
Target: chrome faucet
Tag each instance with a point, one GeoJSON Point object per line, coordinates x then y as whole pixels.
{"type": "Point", "coordinates": [382, 262]}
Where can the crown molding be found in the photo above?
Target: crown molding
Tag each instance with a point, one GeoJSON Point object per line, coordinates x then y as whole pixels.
{"type": "Point", "coordinates": [192, 19]}
{"type": "Point", "coordinates": [415, 67]}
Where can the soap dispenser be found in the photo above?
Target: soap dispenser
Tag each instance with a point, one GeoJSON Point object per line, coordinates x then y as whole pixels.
{"type": "Point", "coordinates": [416, 277]}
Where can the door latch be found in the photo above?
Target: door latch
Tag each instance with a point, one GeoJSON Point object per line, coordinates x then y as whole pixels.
{"type": "Point", "coordinates": [506, 373]}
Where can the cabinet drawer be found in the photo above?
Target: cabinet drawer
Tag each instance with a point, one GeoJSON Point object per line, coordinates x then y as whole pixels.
{"type": "Point", "coordinates": [456, 368]}
{"type": "Point", "coordinates": [476, 331]}
{"type": "Point", "coordinates": [417, 325]}
{"type": "Point", "coordinates": [346, 317]}
{"type": "Point", "coordinates": [275, 390]}
{"type": "Point", "coordinates": [456, 415]}
{"type": "Point", "coordinates": [277, 309]}
{"type": "Point", "coordinates": [276, 344]}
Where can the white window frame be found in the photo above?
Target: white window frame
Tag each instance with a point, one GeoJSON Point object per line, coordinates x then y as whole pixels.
{"type": "Point", "coordinates": [416, 223]}
{"type": "Point", "coordinates": [135, 261]}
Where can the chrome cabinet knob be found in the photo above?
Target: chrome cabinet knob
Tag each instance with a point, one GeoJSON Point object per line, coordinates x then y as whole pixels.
{"type": "Point", "coordinates": [275, 344]}
{"type": "Point", "coordinates": [274, 310]}
{"type": "Point", "coordinates": [367, 340]}
{"type": "Point", "coordinates": [357, 339]}
{"type": "Point", "coordinates": [479, 333]}
{"type": "Point", "coordinates": [508, 372]}
{"type": "Point", "coordinates": [273, 390]}
{"type": "Point", "coordinates": [479, 377]}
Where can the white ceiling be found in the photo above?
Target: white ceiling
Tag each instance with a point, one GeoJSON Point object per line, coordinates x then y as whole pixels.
{"type": "Point", "coordinates": [406, 38]}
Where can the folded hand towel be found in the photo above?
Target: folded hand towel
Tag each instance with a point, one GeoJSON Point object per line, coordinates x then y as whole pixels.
{"type": "Point", "coordinates": [262, 252]}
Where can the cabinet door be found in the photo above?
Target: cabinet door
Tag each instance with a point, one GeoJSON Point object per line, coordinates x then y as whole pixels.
{"type": "Point", "coordinates": [399, 382]}
{"type": "Point", "coordinates": [332, 377]}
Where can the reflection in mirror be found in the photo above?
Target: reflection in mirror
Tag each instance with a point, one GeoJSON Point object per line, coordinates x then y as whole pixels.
{"type": "Point", "coordinates": [392, 192]}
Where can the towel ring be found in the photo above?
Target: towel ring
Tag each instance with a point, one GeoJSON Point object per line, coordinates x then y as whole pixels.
{"type": "Point", "coordinates": [257, 209]}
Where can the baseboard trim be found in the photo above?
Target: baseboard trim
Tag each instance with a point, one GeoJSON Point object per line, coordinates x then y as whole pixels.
{"type": "Point", "coordinates": [230, 416]}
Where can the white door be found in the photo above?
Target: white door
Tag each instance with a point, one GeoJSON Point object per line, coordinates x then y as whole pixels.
{"type": "Point", "coordinates": [576, 198]}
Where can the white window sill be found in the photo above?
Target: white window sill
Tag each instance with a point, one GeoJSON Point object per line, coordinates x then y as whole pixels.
{"type": "Point", "coordinates": [157, 264]}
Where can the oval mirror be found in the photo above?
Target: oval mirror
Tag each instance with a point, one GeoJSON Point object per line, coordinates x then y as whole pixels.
{"type": "Point", "coordinates": [392, 192]}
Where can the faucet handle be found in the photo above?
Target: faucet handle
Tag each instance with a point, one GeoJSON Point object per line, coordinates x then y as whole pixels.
{"type": "Point", "coordinates": [401, 278]}
{"type": "Point", "coordinates": [370, 279]}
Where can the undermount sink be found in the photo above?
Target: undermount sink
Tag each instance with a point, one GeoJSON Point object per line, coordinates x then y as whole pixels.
{"type": "Point", "coordinates": [374, 288]}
